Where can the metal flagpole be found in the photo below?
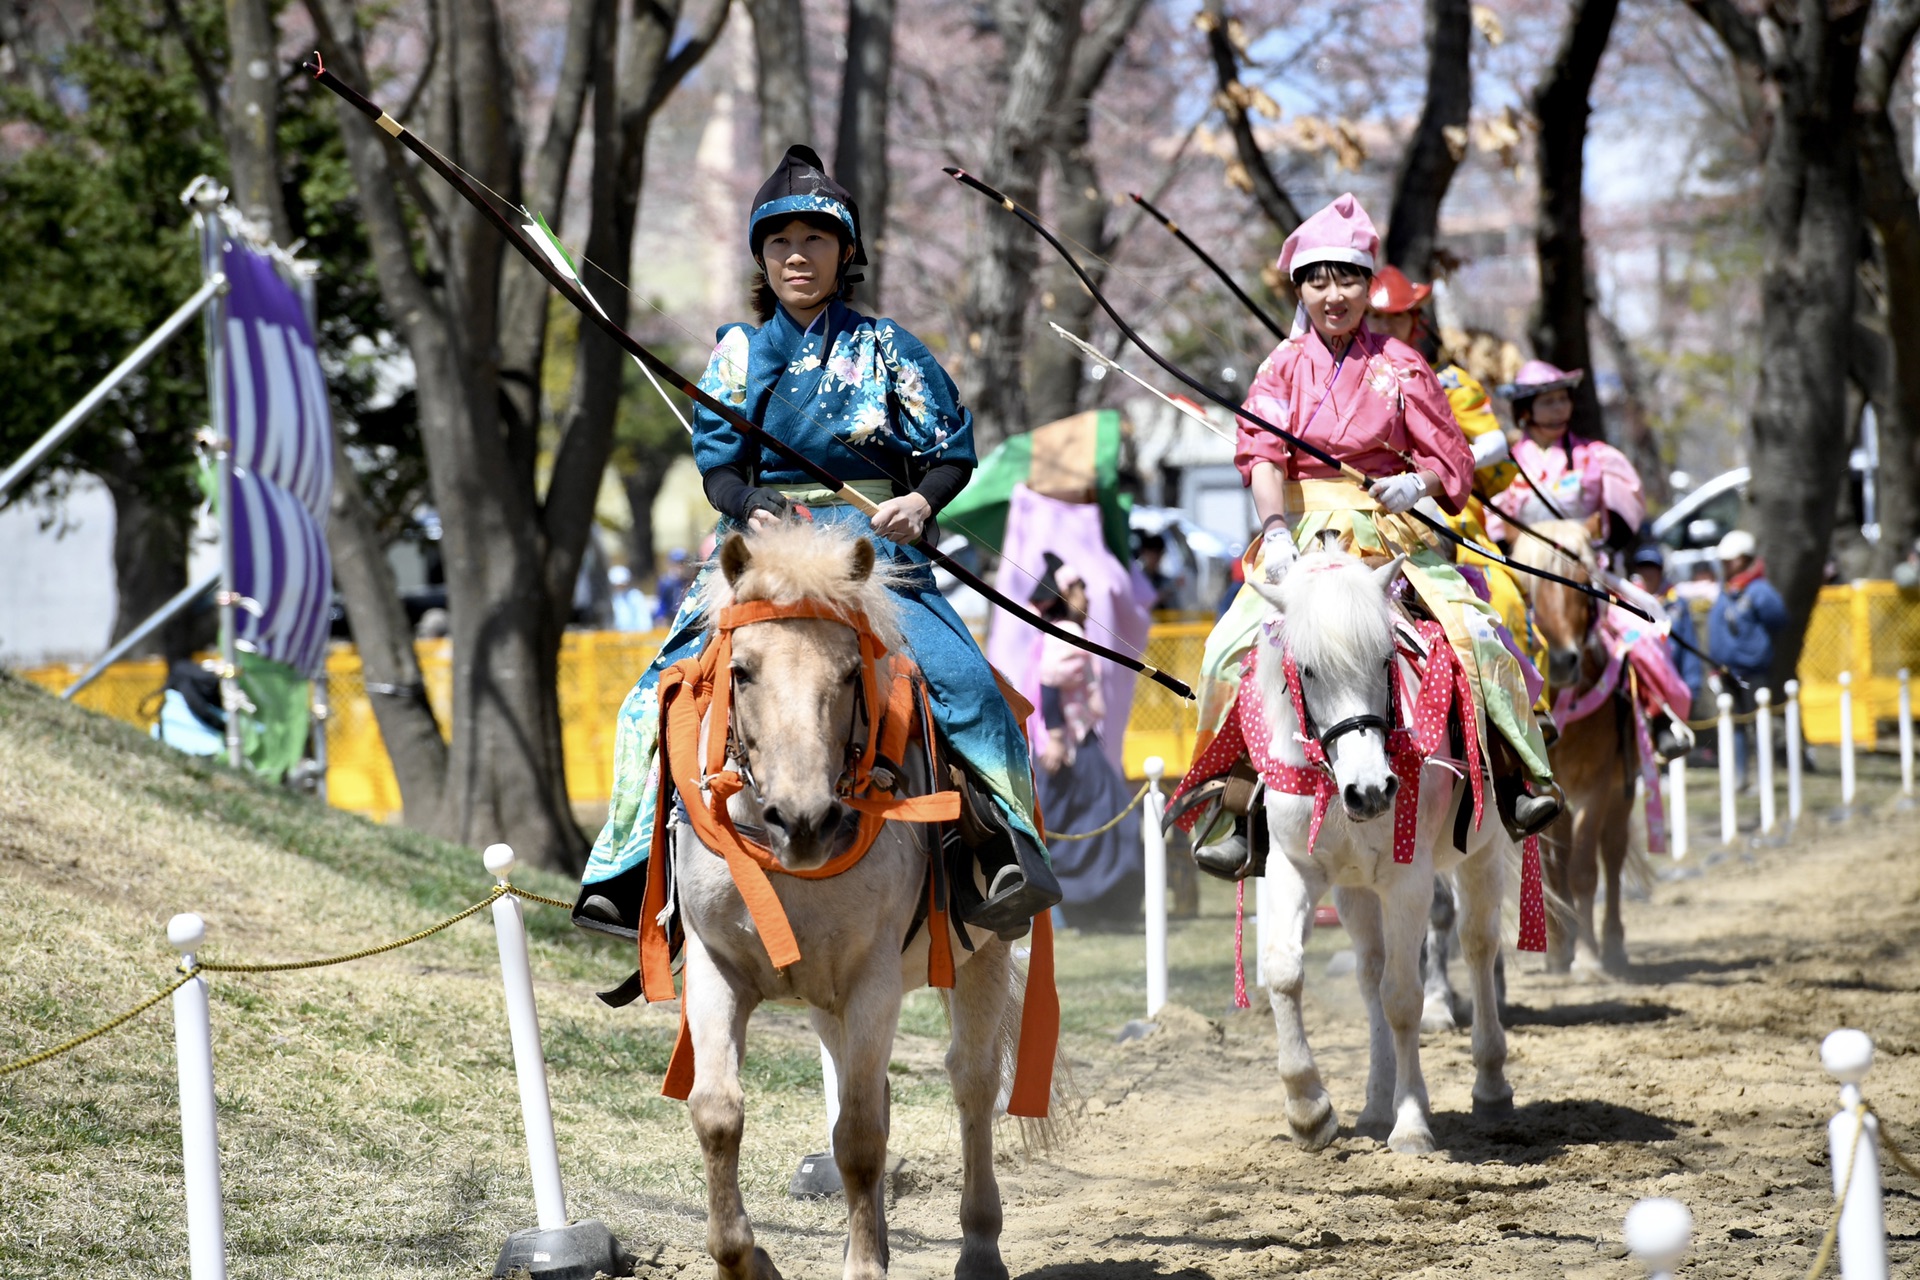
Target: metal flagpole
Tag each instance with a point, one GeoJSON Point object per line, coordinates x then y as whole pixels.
{"type": "Point", "coordinates": [206, 197]}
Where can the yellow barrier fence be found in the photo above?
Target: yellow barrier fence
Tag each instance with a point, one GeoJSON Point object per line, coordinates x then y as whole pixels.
{"type": "Point", "coordinates": [1868, 628]}
{"type": "Point", "coordinates": [1873, 630]}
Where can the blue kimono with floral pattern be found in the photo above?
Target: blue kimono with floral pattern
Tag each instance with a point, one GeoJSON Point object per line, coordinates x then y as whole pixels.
{"type": "Point", "coordinates": [867, 400]}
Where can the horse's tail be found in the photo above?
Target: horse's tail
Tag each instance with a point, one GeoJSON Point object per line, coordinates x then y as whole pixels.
{"type": "Point", "coordinates": [1040, 1134]}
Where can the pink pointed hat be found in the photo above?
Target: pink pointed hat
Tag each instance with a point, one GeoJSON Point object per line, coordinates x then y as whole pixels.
{"type": "Point", "coordinates": [1537, 376]}
{"type": "Point", "coordinates": [1341, 232]}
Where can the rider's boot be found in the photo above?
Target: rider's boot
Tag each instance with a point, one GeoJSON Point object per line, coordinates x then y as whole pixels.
{"type": "Point", "coordinates": [1525, 809]}
{"type": "Point", "coordinates": [1672, 738]}
{"type": "Point", "coordinates": [1020, 880]}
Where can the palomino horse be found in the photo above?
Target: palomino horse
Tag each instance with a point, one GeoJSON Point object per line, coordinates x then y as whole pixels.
{"type": "Point", "coordinates": [796, 705]}
{"type": "Point", "coordinates": [1595, 759]}
{"type": "Point", "coordinates": [1337, 625]}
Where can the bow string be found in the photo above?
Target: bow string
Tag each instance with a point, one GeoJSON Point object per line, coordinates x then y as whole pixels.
{"type": "Point", "coordinates": [1346, 469]}
{"type": "Point", "coordinates": [566, 284]}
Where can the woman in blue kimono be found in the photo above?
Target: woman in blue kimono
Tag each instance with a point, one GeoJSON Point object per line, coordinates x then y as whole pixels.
{"type": "Point", "coordinates": [865, 399]}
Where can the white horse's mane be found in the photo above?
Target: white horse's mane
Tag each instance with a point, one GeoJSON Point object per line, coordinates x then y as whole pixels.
{"type": "Point", "coordinates": [801, 561]}
{"type": "Point", "coordinates": [1339, 621]}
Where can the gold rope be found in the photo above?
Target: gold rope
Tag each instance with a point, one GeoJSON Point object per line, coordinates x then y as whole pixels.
{"type": "Point", "coordinates": [214, 966]}
{"type": "Point", "coordinates": [66, 1046]}
{"type": "Point", "coordinates": [1110, 823]}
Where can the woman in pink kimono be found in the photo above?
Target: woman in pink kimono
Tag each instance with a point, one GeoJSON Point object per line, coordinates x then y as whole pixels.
{"type": "Point", "coordinates": [1564, 476]}
{"type": "Point", "coordinates": [1375, 403]}
{"type": "Point", "coordinates": [1102, 878]}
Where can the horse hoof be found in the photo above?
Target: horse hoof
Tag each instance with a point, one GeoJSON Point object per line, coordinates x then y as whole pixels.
{"type": "Point", "coordinates": [1437, 1019]}
{"type": "Point", "coordinates": [1494, 1108]}
{"type": "Point", "coordinates": [1417, 1142]}
{"type": "Point", "coordinates": [1614, 963]}
{"type": "Point", "coordinates": [1316, 1134]}
{"type": "Point", "coordinates": [985, 1266]}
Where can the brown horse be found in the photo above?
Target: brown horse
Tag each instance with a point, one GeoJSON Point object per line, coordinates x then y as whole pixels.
{"type": "Point", "coordinates": [1595, 759]}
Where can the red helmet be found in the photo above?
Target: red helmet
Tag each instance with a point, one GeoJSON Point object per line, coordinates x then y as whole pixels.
{"type": "Point", "coordinates": [1393, 294]}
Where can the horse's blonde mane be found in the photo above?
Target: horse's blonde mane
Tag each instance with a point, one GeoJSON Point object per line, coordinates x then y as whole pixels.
{"type": "Point", "coordinates": [1339, 622]}
{"type": "Point", "coordinates": [1571, 534]}
{"type": "Point", "coordinates": [803, 561]}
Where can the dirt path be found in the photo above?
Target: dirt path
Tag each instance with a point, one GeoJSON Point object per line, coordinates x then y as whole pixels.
{"type": "Point", "coordinates": [1698, 1078]}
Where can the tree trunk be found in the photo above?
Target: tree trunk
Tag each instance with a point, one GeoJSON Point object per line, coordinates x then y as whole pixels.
{"type": "Point", "coordinates": [1439, 141]}
{"type": "Point", "coordinates": [1057, 370]}
{"type": "Point", "coordinates": [860, 151]}
{"type": "Point", "coordinates": [389, 667]}
{"type": "Point", "coordinates": [1893, 212]}
{"type": "Point", "coordinates": [253, 111]}
{"type": "Point", "coordinates": [149, 567]}
{"type": "Point", "coordinates": [1559, 327]}
{"type": "Point", "coordinates": [642, 482]}
{"type": "Point", "coordinates": [995, 311]}
{"type": "Point", "coordinates": [786, 96]}
{"type": "Point", "coordinates": [1056, 374]}
{"type": "Point", "coordinates": [504, 778]}
{"type": "Point", "coordinates": [1811, 210]}
{"type": "Point", "coordinates": [524, 293]}
{"type": "Point", "coordinates": [625, 99]}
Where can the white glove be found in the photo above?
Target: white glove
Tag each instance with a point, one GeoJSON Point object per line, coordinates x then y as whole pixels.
{"type": "Point", "coordinates": [1278, 551]}
{"type": "Point", "coordinates": [1396, 494]}
{"type": "Point", "coordinates": [1490, 447]}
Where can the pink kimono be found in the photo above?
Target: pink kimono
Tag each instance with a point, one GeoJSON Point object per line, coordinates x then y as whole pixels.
{"type": "Point", "coordinates": [1376, 405]}
{"type": "Point", "coordinates": [1599, 478]}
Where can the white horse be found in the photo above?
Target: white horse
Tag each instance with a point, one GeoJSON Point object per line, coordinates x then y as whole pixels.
{"type": "Point", "coordinates": [1341, 627]}
{"type": "Point", "coordinates": [794, 711]}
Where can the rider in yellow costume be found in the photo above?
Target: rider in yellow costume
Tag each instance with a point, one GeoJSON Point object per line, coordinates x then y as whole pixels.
{"type": "Point", "coordinates": [1394, 307]}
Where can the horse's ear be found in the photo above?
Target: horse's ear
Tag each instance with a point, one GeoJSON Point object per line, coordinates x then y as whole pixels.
{"type": "Point", "coordinates": [734, 558]}
{"type": "Point", "coordinates": [1387, 572]}
{"type": "Point", "coordinates": [1269, 592]}
{"type": "Point", "coordinates": [862, 563]}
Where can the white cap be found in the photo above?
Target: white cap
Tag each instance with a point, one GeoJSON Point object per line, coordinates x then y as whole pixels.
{"type": "Point", "coordinates": [1736, 544]}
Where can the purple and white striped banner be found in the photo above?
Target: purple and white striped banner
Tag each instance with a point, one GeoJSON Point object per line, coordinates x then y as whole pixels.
{"type": "Point", "coordinates": [276, 395]}
{"type": "Point", "coordinates": [282, 437]}
{"type": "Point", "coordinates": [280, 562]}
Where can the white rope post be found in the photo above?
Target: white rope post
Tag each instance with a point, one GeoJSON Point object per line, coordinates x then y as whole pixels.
{"type": "Point", "coordinates": [1855, 1159]}
{"type": "Point", "coordinates": [1677, 805]}
{"type": "Point", "coordinates": [1657, 1233]}
{"type": "Point", "coordinates": [1729, 818]}
{"type": "Point", "coordinates": [1846, 740]}
{"type": "Point", "coordinates": [1795, 751]}
{"type": "Point", "coordinates": [1763, 755]}
{"type": "Point", "coordinates": [1155, 841]}
{"type": "Point", "coordinates": [199, 1131]}
{"type": "Point", "coordinates": [529, 1059]}
{"type": "Point", "coordinates": [1906, 734]}
{"type": "Point", "coordinates": [830, 1083]}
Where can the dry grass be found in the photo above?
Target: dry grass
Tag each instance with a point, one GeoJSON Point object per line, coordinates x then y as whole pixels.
{"type": "Point", "coordinates": [369, 1122]}
{"type": "Point", "coordinates": [369, 1125]}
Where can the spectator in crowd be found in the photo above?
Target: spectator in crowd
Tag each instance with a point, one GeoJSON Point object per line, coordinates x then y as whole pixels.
{"type": "Point", "coordinates": [1649, 568]}
{"type": "Point", "coordinates": [673, 586]}
{"type": "Point", "coordinates": [632, 611]}
{"type": "Point", "coordinates": [1741, 627]}
{"type": "Point", "coordinates": [1152, 559]}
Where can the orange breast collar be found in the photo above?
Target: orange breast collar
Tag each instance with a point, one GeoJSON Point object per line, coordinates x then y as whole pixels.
{"type": "Point", "coordinates": [698, 690]}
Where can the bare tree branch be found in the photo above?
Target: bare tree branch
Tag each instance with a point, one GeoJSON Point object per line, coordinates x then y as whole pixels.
{"type": "Point", "coordinates": [1740, 33]}
{"type": "Point", "coordinates": [1273, 201]}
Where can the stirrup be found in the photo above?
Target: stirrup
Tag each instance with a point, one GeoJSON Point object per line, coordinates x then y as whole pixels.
{"type": "Point", "coordinates": [1018, 891]}
{"type": "Point", "coordinates": [1544, 810]}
